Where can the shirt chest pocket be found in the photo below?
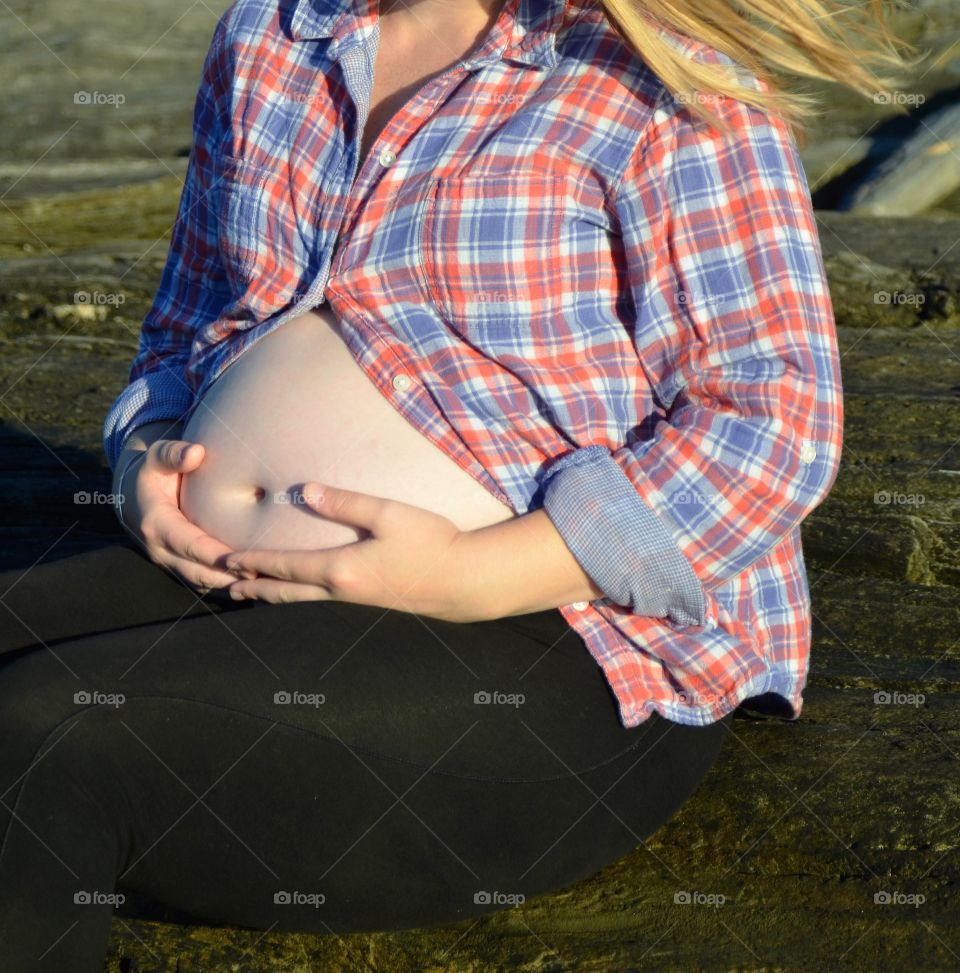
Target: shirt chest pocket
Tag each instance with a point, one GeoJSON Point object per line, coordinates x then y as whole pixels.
{"type": "Point", "coordinates": [243, 216]}
{"type": "Point", "coordinates": [500, 253]}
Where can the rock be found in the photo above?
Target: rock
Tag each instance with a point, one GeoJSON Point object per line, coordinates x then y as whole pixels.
{"type": "Point", "coordinates": [81, 311]}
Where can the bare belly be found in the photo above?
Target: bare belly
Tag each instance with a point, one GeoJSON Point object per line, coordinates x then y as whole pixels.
{"type": "Point", "coordinates": [296, 407]}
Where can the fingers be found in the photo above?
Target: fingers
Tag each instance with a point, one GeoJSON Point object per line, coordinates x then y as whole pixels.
{"type": "Point", "coordinates": [197, 575]}
{"type": "Point", "coordinates": [345, 506]}
{"type": "Point", "coordinates": [193, 554]}
{"type": "Point", "coordinates": [171, 539]}
{"type": "Point", "coordinates": [279, 592]}
{"type": "Point", "coordinates": [185, 539]}
{"type": "Point", "coordinates": [175, 455]}
{"type": "Point", "coordinates": [304, 567]}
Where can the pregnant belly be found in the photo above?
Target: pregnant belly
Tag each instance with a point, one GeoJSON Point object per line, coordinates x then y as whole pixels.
{"type": "Point", "coordinates": [297, 407]}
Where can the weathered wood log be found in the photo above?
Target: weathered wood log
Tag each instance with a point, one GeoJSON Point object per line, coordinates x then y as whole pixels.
{"type": "Point", "coordinates": [924, 169]}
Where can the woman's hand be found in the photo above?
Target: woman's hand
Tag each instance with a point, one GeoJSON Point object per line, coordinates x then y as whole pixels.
{"type": "Point", "coordinates": [407, 563]}
{"type": "Point", "coordinates": [151, 514]}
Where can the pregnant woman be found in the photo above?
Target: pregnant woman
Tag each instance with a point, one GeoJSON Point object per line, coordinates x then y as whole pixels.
{"type": "Point", "coordinates": [490, 377]}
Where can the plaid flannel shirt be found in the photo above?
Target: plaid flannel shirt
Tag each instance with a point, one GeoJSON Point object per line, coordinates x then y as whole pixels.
{"type": "Point", "coordinates": [599, 306]}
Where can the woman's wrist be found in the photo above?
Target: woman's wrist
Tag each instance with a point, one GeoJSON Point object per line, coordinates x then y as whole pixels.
{"type": "Point", "coordinates": [135, 447]}
{"type": "Point", "coordinates": [518, 566]}
{"type": "Point", "coordinates": [123, 468]}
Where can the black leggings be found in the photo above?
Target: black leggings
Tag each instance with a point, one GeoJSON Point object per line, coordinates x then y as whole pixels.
{"type": "Point", "coordinates": [317, 767]}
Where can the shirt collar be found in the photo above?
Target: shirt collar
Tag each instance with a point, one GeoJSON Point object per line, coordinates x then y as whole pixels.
{"type": "Point", "coordinates": [525, 31]}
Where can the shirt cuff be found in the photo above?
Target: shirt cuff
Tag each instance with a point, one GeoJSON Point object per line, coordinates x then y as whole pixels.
{"type": "Point", "coordinates": [157, 395]}
{"type": "Point", "coordinates": [620, 541]}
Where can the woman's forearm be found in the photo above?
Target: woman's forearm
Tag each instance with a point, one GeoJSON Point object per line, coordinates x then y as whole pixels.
{"type": "Point", "coordinates": [521, 565]}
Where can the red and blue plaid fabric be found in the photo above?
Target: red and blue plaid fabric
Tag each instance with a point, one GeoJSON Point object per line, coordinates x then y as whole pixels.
{"type": "Point", "coordinates": [604, 307]}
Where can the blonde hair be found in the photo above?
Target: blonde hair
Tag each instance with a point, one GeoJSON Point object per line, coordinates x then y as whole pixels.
{"type": "Point", "coordinates": [768, 38]}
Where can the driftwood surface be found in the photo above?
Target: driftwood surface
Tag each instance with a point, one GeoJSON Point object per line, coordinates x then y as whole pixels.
{"type": "Point", "coordinates": [922, 170]}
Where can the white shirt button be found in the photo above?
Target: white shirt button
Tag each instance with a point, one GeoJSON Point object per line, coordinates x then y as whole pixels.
{"type": "Point", "coordinates": [808, 454]}
{"type": "Point", "coordinates": [580, 605]}
{"type": "Point", "coordinates": [387, 158]}
{"type": "Point", "coordinates": [401, 382]}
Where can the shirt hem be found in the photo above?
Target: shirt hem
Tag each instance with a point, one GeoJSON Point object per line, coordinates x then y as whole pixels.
{"type": "Point", "coordinates": [764, 683]}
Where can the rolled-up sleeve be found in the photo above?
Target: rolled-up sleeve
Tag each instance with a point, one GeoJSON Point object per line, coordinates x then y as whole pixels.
{"type": "Point", "coordinates": [734, 334]}
{"type": "Point", "coordinates": [193, 289]}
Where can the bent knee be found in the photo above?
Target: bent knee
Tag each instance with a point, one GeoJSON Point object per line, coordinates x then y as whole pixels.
{"type": "Point", "coordinates": [41, 691]}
